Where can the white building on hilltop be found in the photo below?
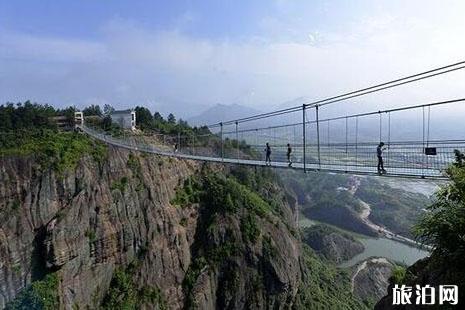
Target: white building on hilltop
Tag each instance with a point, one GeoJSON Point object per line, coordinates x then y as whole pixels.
{"type": "Point", "coordinates": [124, 118]}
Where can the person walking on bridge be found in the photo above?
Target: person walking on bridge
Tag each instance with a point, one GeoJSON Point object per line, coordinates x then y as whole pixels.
{"type": "Point", "coordinates": [268, 154]}
{"type": "Point", "coordinates": [379, 154]}
{"type": "Point", "coordinates": [288, 154]}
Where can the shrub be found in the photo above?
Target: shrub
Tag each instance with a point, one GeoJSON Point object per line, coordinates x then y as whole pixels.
{"type": "Point", "coordinates": [120, 185]}
{"type": "Point", "coordinates": [249, 228]}
{"type": "Point", "coordinates": [398, 275]}
{"type": "Point", "coordinates": [41, 294]}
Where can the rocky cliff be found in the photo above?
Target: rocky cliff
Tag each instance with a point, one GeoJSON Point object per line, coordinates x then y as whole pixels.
{"type": "Point", "coordinates": [87, 222]}
{"type": "Point", "coordinates": [370, 279]}
{"type": "Point", "coordinates": [139, 231]}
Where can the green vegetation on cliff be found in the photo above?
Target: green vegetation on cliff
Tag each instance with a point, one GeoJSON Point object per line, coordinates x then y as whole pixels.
{"type": "Point", "coordinates": [40, 295]}
{"type": "Point", "coordinates": [28, 130]}
{"type": "Point", "coordinates": [226, 203]}
{"type": "Point", "coordinates": [443, 226]}
{"type": "Point", "coordinates": [324, 286]}
{"type": "Point", "coordinates": [57, 150]}
{"type": "Point", "coordinates": [124, 294]}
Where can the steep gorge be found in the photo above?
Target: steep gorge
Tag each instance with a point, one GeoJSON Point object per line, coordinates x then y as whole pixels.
{"type": "Point", "coordinates": [99, 225]}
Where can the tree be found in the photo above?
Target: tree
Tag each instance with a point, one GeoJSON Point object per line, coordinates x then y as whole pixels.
{"type": "Point", "coordinates": [108, 109]}
{"type": "Point", "coordinates": [106, 122]}
{"type": "Point", "coordinates": [443, 226]}
{"type": "Point", "coordinates": [157, 117]}
{"type": "Point", "coordinates": [183, 123]}
{"type": "Point", "coordinates": [144, 118]}
{"type": "Point", "coordinates": [26, 115]}
{"type": "Point", "coordinates": [92, 110]}
{"type": "Point", "coordinates": [171, 119]}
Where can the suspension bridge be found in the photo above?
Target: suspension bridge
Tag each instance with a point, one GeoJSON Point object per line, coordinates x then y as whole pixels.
{"type": "Point", "coordinates": [419, 140]}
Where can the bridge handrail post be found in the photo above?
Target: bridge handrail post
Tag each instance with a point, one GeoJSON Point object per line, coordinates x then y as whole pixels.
{"type": "Point", "coordinates": [318, 134]}
{"type": "Point", "coordinates": [304, 144]}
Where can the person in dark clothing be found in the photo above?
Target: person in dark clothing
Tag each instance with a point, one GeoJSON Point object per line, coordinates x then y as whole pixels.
{"type": "Point", "coordinates": [379, 154]}
{"type": "Point", "coordinates": [268, 154]}
{"type": "Point", "coordinates": [289, 151]}
{"type": "Point", "coordinates": [175, 147]}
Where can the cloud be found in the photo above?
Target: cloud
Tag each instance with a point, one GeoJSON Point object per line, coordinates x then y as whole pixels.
{"type": "Point", "coordinates": [128, 64]}
{"type": "Point", "coordinates": [19, 46]}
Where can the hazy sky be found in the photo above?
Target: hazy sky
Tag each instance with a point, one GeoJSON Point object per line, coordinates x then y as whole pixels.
{"type": "Point", "coordinates": [198, 53]}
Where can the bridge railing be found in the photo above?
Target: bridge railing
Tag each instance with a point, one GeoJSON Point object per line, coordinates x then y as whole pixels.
{"type": "Point", "coordinates": [341, 144]}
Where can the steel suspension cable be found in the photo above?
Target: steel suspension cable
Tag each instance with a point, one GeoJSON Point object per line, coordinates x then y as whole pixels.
{"type": "Point", "coordinates": [390, 86]}
{"type": "Point", "coordinates": [356, 93]}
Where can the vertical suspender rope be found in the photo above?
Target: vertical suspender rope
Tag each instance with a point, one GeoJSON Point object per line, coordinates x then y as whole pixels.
{"type": "Point", "coordinates": [304, 143]}
{"type": "Point", "coordinates": [427, 133]}
{"type": "Point", "coordinates": [423, 125]}
{"type": "Point", "coordinates": [328, 151]}
{"type": "Point", "coordinates": [380, 126]}
{"type": "Point", "coordinates": [429, 119]}
{"type": "Point", "coordinates": [256, 141]}
{"type": "Point", "coordinates": [328, 135]}
{"type": "Point", "coordinates": [423, 151]}
{"type": "Point", "coordinates": [318, 135]}
{"type": "Point", "coordinates": [356, 140]}
{"type": "Point", "coordinates": [389, 129]}
{"type": "Point", "coordinates": [347, 140]}
{"type": "Point", "coordinates": [274, 137]}
{"type": "Point", "coordinates": [347, 133]}
{"type": "Point", "coordinates": [389, 135]}
{"type": "Point", "coordinates": [293, 139]}
{"type": "Point", "coordinates": [221, 137]}
{"type": "Point", "coordinates": [237, 143]}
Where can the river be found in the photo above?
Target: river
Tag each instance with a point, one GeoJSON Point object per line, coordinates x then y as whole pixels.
{"type": "Point", "coordinates": [381, 247]}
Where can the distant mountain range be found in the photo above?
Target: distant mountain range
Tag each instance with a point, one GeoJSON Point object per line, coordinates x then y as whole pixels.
{"type": "Point", "coordinates": [222, 112]}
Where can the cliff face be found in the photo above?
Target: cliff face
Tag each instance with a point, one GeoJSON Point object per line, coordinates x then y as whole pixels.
{"type": "Point", "coordinates": [331, 244]}
{"type": "Point", "coordinates": [95, 219]}
{"type": "Point", "coordinates": [370, 279]}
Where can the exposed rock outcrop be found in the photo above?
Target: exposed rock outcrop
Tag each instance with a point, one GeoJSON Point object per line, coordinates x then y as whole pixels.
{"type": "Point", "coordinates": [370, 279]}
{"type": "Point", "coordinates": [331, 243]}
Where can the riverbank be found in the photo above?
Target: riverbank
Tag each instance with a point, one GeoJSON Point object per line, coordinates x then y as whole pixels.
{"type": "Point", "coordinates": [394, 250]}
